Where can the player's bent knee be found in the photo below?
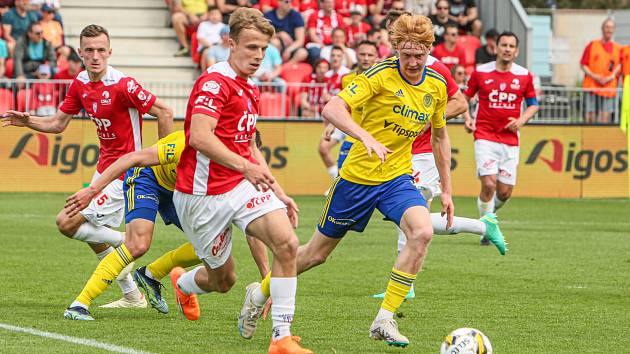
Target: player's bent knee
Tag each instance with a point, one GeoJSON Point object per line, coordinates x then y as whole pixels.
{"type": "Point", "coordinates": [138, 248]}
{"type": "Point", "coordinates": [287, 249]}
{"type": "Point", "coordinates": [65, 226]}
{"type": "Point", "coordinates": [504, 194]}
{"type": "Point", "coordinates": [420, 236]}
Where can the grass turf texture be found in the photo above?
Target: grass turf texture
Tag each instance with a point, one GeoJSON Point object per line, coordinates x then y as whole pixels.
{"type": "Point", "coordinates": [562, 288]}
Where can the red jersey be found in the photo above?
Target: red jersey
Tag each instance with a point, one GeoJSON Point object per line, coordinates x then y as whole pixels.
{"type": "Point", "coordinates": [500, 97]}
{"type": "Point", "coordinates": [450, 58]}
{"type": "Point", "coordinates": [343, 7]}
{"type": "Point", "coordinates": [116, 105]}
{"type": "Point", "coordinates": [324, 24]}
{"type": "Point", "coordinates": [315, 91]}
{"type": "Point", "coordinates": [333, 80]}
{"type": "Point", "coordinates": [234, 102]}
{"type": "Point", "coordinates": [422, 144]}
{"type": "Point", "coordinates": [358, 32]}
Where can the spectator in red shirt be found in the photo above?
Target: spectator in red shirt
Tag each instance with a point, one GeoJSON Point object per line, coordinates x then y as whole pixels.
{"type": "Point", "coordinates": [449, 52]}
{"type": "Point", "coordinates": [314, 96]}
{"type": "Point", "coordinates": [320, 26]}
{"type": "Point", "coordinates": [345, 8]}
{"type": "Point", "coordinates": [357, 30]}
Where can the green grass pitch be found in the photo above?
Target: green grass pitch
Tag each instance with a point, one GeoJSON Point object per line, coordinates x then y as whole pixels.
{"type": "Point", "coordinates": [562, 288]}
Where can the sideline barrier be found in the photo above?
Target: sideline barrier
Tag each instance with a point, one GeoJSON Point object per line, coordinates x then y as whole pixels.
{"type": "Point", "coordinates": [555, 161]}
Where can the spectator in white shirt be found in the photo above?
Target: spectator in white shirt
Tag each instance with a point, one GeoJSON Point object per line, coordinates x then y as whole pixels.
{"type": "Point", "coordinates": [339, 40]}
{"type": "Point", "coordinates": [208, 32]}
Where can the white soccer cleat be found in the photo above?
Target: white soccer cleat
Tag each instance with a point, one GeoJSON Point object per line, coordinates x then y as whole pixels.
{"type": "Point", "coordinates": [250, 313]}
{"type": "Point", "coordinates": [387, 330]}
{"type": "Point", "coordinates": [124, 303]}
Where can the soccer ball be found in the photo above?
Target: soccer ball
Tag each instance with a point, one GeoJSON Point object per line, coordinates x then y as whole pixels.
{"type": "Point", "coordinates": [466, 341]}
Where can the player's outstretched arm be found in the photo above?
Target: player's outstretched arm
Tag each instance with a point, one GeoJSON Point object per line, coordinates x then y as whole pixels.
{"type": "Point", "coordinates": [51, 124]}
{"type": "Point", "coordinates": [442, 152]}
{"type": "Point", "coordinates": [202, 139]}
{"type": "Point", "coordinates": [164, 115]}
{"type": "Point", "coordinates": [81, 199]}
{"type": "Point", "coordinates": [337, 112]}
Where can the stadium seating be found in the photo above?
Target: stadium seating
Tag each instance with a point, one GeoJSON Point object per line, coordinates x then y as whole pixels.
{"type": "Point", "coordinates": [22, 97]}
{"type": "Point", "coordinates": [294, 73]}
{"type": "Point", "coordinates": [470, 45]}
{"type": "Point", "coordinates": [6, 100]}
{"type": "Point", "coordinates": [271, 105]}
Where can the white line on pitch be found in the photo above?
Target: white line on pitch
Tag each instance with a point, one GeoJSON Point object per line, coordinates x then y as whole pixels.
{"type": "Point", "coordinates": [74, 340]}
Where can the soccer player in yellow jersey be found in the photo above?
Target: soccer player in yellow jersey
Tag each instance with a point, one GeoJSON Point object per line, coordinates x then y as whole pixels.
{"type": "Point", "coordinates": [399, 97]}
{"type": "Point", "coordinates": [147, 191]}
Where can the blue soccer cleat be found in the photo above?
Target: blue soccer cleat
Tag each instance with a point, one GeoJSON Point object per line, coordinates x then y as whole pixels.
{"type": "Point", "coordinates": [77, 313]}
{"type": "Point", "coordinates": [152, 289]}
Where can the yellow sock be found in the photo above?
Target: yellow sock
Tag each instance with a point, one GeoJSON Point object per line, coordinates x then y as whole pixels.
{"type": "Point", "coordinates": [184, 256]}
{"type": "Point", "coordinates": [106, 272]}
{"type": "Point", "coordinates": [397, 288]}
{"type": "Point", "coordinates": [264, 285]}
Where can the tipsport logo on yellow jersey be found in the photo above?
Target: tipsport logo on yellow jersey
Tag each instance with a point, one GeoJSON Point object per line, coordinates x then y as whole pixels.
{"type": "Point", "coordinates": [400, 131]}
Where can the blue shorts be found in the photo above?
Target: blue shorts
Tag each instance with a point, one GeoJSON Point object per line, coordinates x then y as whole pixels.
{"type": "Point", "coordinates": [343, 153]}
{"type": "Point", "coordinates": [144, 197]}
{"type": "Point", "coordinates": [350, 206]}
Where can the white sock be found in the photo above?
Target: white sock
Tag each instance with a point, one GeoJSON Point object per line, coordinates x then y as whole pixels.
{"type": "Point", "coordinates": [283, 294]}
{"type": "Point", "coordinates": [460, 225]}
{"type": "Point", "coordinates": [87, 232]}
{"type": "Point", "coordinates": [187, 283]}
{"type": "Point", "coordinates": [402, 239]}
{"type": "Point", "coordinates": [333, 171]}
{"type": "Point", "coordinates": [78, 304]}
{"type": "Point", "coordinates": [384, 314]}
{"type": "Point", "coordinates": [258, 298]}
{"type": "Point", "coordinates": [102, 255]}
{"type": "Point", "coordinates": [498, 203]}
{"type": "Point", "coordinates": [485, 207]}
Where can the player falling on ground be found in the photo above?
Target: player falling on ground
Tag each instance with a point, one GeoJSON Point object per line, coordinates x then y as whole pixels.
{"type": "Point", "coordinates": [221, 178]}
{"type": "Point", "coordinates": [501, 86]}
{"type": "Point", "coordinates": [147, 191]}
{"type": "Point", "coordinates": [116, 104]}
{"type": "Point", "coordinates": [377, 176]}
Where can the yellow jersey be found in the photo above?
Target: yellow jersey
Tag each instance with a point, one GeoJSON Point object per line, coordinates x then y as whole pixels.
{"type": "Point", "coordinates": [358, 112]}
{"type": "Point", "coordinates": [169, 150]}
{"type": "Point", "coordinates": [394, 113]}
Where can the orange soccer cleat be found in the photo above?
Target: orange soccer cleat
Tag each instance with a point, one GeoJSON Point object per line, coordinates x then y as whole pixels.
{"type": "Point", "coordinates": [288, 345]}
{"type": "Point", "coordinates": [187, 304]}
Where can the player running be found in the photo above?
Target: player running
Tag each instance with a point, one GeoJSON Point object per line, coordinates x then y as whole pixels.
{"type": "Point", "coordinates": [116, 104]}
{"type": "Point", "coordinates": [222, 179]}
{"type": "Point", "coordinates": [147, 192]}
{"type": "Point", "coordinates": [501, 86]}
{"type": "Point", "coordinates": [399, 97]}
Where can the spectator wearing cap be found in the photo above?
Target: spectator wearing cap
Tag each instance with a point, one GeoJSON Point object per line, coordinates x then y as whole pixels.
{"type": "Point", "coordinates": [320, 27]}
{"type": "Point", "coordinates": [218, 52]}
{"type": "Point", "coordinates": [464, 12]}
{"type": "Point", "coordinates": [186, 16]}
{"type": "Point", "coordinates": [488, 52]}
{"type": "Point", "coordinates": [45, 95]}
{"type": "Point", "coordinates": [449, 52]}
{"type": "Point", "coordinates": [209, 31]}
{"type": "Point", "coordinates": [37, 5]}
{"type": "Point", "coordinates": [290, 31]}
{"type": "Point", "coordinates": [339, 41]}
{"type": "Point", "coordinates": [16, 21]}
{"type": "Point", "coordinates": [440, 20]}
{"type": "Point", "coordinates": [32, 50]}
{"type": "Point", "coordinates": [53, 32]}
{"type": "Point", "coordinates": [357, 30]}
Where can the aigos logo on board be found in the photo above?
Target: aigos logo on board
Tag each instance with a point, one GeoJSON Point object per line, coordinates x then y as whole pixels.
{"type": "Point", "coordinates": [64, 156]}
{"type": "Point", "coordinates": [581, 163]}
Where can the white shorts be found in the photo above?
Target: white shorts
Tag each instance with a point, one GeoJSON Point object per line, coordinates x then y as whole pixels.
{"type": "Point", "coordinates": [108, 207]}
{"type": "Point", "coordinates": [497, 159]}
{"type": "Point", "coordinates": [338, 135]}
{"type": "Point", "coordinates": [207, 219]}
{"type": "Point", "coordinates": [425, 175]}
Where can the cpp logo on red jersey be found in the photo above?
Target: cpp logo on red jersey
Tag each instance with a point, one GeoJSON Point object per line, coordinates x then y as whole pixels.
{"type": "Point", "coordinates": [257, 201]}
{"type": "Point", "coordinates": [502, 100]}
{"type": "Point", "coordinates": [221, 242]}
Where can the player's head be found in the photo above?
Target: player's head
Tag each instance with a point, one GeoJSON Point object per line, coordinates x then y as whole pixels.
{"type": "Point", "coordinates": [94, 48]}
{"type": "Point", "coordinates": [507, 47]}
{"type": "Point", "coordinates": [250, 34]}
{"type": "Point", "coordinates": [336, 57]}
{"type": "Point", "coordinates": [608, 29]}
{"type": "Point", "coordinates": [412, 37]}
{"type": "Point", "coordinates": [451, 33]}
{"type": "Point", "coordinates": [367, 54]}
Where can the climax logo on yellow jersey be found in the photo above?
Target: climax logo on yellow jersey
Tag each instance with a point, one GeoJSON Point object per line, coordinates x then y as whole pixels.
{"type": "Point", "coordinates": [407, 112]}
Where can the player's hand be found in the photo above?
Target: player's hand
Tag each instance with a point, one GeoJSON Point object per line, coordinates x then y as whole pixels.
{"type": "Point", "coordinates": [257, 175]}
{"type": "Point", "coordinates": [79, 201]}
{"type": "Point", "coordinates": [469, 125]}
{"type": "Point", "coordinates": [266, 308]}
{"type": "Point", "coordinates": [15, 118]}
{"type": "Point", "coordinates": [292, 210]}
{"type": "Point", "coordinates": [328, 132]}
{"type": "Point", "coordinates": [448, 209]}
{"type": "Point", "coordinates": [514, 124]}
{"type": "Point", "coordinates": [371, 145]}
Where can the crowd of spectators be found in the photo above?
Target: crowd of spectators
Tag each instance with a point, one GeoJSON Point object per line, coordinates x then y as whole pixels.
{"type": "Point", "coordinates": [322, 34]}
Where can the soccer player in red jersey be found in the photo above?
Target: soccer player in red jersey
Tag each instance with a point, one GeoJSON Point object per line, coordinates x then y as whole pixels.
{"type": "Point", "coordinates": [116, 104]}
{"type": "Point", "coordinates": [222, 178]}
{"type": "Point", "coordinates": [502, 86]}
